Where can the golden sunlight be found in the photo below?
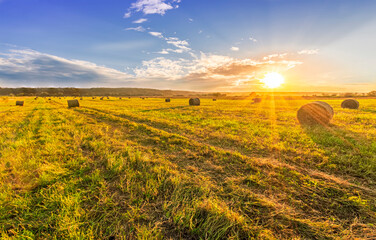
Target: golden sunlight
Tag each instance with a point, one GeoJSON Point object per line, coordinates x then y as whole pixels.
{"type": "Point", "coordinates": [273, 80]}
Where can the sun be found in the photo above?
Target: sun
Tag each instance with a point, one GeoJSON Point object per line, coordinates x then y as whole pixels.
{"type": "Point", "coordinates": [273, 80]}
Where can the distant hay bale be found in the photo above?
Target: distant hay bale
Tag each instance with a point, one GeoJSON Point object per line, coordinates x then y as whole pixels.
{"type": "Point", "coordinates": [49, 99]}
{"type": "Point", "coordinates": [350, 103]}
{"type": "Point", "coordinates": [108, 97]}
{"type": "Point", "coordinates": [194, 102]}
{"type": "Point", "coordinates": [257, 100]}
{"type": "Point", "coordinates": [120, 98]}
{"type": "Point", "coordinates": [19, 103]}
{"type": "Point", "coordinates": [101, 98]}
{"type": "Point", "coordinates": [315, 113]}
{"type": "Point", "coordinates": [214, 99]}
{"type": "Point", "coordinates": [167, 100]}
{"type": "Point", "coordinates": [73, 103]}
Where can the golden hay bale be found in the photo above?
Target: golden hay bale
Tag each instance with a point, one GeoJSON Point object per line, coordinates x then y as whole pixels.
{"type": "Point", "coordinates": [214, 99]}
{"type": "Point", "coordinates": [350, 103]}
{"type": "Point", "coordinates": [73, 103]}
{"type": "Point", "coordinates": [194, 102]}
{"type": "Point", "coordinates": [315, 113]}
{"type": "Point", "coordinates": [102, 98]}
{"type": "Point", "coordinates": [167, 100]}
{"type": "Point", "coordinates": [19, 103]}
{"type": "Point", "coordinates": [257, 100]}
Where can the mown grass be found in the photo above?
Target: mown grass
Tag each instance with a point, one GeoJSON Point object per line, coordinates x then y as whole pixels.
{"type": "Point", "coordinates": [146, 169]}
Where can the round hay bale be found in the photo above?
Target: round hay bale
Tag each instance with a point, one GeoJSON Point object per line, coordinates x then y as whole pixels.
{"type": "Point", "coordinates": [73, 103]}
{"type": "Point", "coordinates": [257, 100]}
{"type": "Point", "coordinates": [19, 103]}
{"type": "Point", "coordinates": [315, 113]}
{"type": "Point", "coordinates": [194, 102]}
{"type": "Point", "coordinates": [167, 100]}
{"type": "Point", "coordinates": [102, 98]}
{"type": "Point", "coordinates": [350, 103]}
{"type": "Point", "coordinates": [214, 99]}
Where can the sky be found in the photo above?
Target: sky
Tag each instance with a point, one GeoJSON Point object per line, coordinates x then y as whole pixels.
{"type": "Point", "coordinates": [200, 45]}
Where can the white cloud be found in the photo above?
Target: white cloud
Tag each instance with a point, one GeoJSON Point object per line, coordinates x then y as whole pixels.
{"type": "Point", "coordinates": [156, 34]}
{"type": "Point", "coordinates": [190, 19]}
{"type": "Point", "coordinates": [141, 20]}
{"type": "Point", "coordinates": [138, 29]}
{"type": "Point", "coordinates": [235, 49]}
{"type": "Point", "coordinates": [152, 7]}
{"type": "Point", "coordinates": [309, 51]}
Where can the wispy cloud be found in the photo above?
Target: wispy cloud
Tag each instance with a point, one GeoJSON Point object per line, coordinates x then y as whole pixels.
{"type": "Point", "coordinates": [141, 20]}
{"type": "Point", "coordinates": [309, 51]}
{"type": "Point", "coordinates": [275, 55]}
{"type": "Point", "coordinates": [151, 7]}
{"type": "Point", "coordinates": [180, 45]}
{"type": "Point", "coordinates": [138, 29]}
{"type": "Point", "coordinates": [156, 34]}
{"type": "Point", "coordinates": [235, 49]}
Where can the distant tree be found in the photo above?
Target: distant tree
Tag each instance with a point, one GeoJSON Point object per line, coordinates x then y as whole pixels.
{"type": "Point", "coordinates": [372, 94]}
{"type": "Point", "coordinates": [348, 95]}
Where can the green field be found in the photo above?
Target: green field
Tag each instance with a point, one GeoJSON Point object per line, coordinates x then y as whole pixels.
{"type": "Point", "coordinates": [146, 169]}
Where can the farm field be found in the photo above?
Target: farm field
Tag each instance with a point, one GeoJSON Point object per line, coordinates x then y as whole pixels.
{"type": "Point", "coordinates": [147, 169]}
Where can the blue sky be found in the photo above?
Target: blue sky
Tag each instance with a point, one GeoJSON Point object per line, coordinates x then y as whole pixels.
{"type": "Point", "coordinates": [205, 45]}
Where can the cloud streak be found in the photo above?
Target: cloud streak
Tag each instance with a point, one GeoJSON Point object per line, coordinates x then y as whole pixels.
{"type": "Point", "coordinates": [32, 68]}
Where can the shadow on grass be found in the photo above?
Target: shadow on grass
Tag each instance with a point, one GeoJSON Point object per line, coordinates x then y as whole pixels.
{"type": "Point", "coordinates": [347, 151]}
{"type": "Point", "coordinates": [368, 110]}
{"type": "Point", "coordinates": [161, 109]}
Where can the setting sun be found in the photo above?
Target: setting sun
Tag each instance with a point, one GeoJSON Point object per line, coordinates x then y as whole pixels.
{"type": "Point", "coordinates": [273, 80]}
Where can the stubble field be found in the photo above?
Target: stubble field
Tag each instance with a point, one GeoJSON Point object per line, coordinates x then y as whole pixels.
{"type": "Point", "coordinates": [147, 169]}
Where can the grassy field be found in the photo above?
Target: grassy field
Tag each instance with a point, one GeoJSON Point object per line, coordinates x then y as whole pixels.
{"type": "Point", "coordinates": [146, 169]}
